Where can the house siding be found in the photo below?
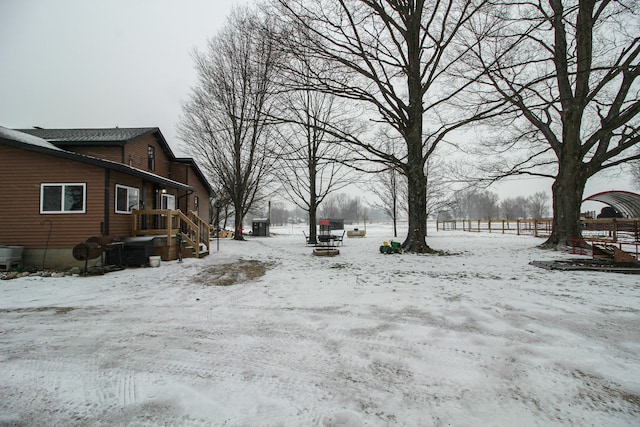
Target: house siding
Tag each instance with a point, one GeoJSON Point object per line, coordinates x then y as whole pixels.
{"type": "Point", "coordinates": [120, 223]}
{"type": "Point", "coordinates": [115, 154]}
{"type": "Point", "coordinates": [185, 173]}
{"type": "Point", "coordinates": [23, 224]}
{"type": "Point", "coordinates": [53, 235]}
{"type": "Point", "coordinates": [136, 155]}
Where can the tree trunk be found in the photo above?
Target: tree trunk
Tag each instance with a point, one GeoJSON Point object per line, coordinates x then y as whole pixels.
{"type": "Point", "coordinates": [313, 220]}
{"type": "Point", "coordinates": [567, 190]}
{"type": "Point", "coordinates": [417, 232]}
{"type": "Point", "coordinates": [417, 195]}
{"type": "Point", "coordinates": [313, 197]}
{"type": "Point", "coordinates": [414, 168]}
{"type": "Point", "coordinates": [238, 224]}
{"type": "Point", "coordinates": [395, 214]}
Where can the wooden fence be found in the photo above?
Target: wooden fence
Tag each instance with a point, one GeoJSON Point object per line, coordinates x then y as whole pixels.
{"type": "Point", "coordinates": [607, 230]}
{"type": "Point", "coordinates": [535, 227]}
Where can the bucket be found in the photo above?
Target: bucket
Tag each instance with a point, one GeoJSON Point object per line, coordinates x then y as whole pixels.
{"type": "Point", "coordinates": [154, 261]}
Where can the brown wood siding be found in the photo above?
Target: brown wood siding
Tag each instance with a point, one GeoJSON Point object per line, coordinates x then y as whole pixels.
{"type": "Point", "coordinates": [20, 220]}
{"type": "Point", "coordinates": [120, 223]}
{"type": "Point", "coordinates": [108, 153]}
{"type": "Point", "coordinates": [184, 173]}
{"type": "Point", "coordinates": [136, 155]}
{"type": "Point", "coordinates": [202, 193]}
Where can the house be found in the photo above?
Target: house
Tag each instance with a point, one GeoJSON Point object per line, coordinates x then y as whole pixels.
{"type": "Point", "coordinates": [63, 186]}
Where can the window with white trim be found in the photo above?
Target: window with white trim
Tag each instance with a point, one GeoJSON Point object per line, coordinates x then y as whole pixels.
{"type": "Point", "coordinates": [63, 198]}
{"type": "Point", "coordinates": [168, 202]}
{"type": "Point", "coordinates": [127, 198]}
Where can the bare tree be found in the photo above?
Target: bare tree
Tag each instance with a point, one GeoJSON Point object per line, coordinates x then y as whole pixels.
{"type": "Point", "coordinates": [569, 69]}
{"type": "Point", "coordinates": [487, 205]}
{"type": "Point", "coordinates": [439, 192]}
{"type": "Point", "coordinates": [308, 157]}
{"type": "Point", "coordinates": [387, 185]}
{"type": "Point", "coordinates": [539, 205]}
{"type": "Point", "coordinates": [224, 122]}
{"type": "Point", "coordinates": [476, 204]}
{"type": "Point", "coordinates": [390, 58]}
{"type": "Point", "coordinates": [514, 207]}
{"type": "Point", "coordinates": [634, 169]}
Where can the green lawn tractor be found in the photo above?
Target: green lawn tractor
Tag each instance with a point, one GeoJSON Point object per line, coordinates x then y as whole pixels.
{"type": "Point", "coordinates": [390, 248]}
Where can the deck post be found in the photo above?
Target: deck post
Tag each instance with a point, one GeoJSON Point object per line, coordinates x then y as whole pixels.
{"type": "Point", "coordinates": [169, 228]}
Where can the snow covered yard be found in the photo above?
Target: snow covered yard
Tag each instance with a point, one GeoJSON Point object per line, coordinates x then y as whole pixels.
{"type": "Point", "coordinates": [263, 333]}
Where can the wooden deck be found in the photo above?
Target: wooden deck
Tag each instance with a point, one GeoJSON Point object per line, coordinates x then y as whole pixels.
{"type": "Point", "coordinates": [177, 235]}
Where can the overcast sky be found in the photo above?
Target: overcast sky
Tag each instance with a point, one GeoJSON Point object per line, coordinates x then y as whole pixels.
{"type": "Point", "coordinates": [101, 63]}
{"type": "Point", "coordinates": [126, 63]}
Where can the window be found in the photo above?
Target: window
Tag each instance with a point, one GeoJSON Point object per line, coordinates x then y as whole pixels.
{"type": "Point", "coordinates": [196, 205]}
{"type": "Point", "coordinates": [127, 199]}
{"type": "Point", "coordinates": [62, 198]}
{"type": "Point", "coordinates": [151, 158]}
{"type": "Point", "coordinates": [168, 202]}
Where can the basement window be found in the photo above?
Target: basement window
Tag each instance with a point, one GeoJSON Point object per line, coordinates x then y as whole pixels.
{"type": "Point", "coordinates": [62, 198]}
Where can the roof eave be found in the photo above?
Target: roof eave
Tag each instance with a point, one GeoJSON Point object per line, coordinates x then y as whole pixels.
{"type": "Point", "coordinates": [68, 155]}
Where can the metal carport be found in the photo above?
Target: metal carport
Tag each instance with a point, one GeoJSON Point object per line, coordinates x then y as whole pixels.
{"type": "Point", "coordinates": [625, 202]}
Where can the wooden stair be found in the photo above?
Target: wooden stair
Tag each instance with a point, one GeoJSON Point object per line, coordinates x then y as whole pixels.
{"type": "Point", "coordinates": [613, 253]}
{"type": "Point", "coordinates": [187, 236]}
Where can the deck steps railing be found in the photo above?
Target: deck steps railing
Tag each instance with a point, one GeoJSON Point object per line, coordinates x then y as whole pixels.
{"type": "Point", "coordinates": [185, 231]}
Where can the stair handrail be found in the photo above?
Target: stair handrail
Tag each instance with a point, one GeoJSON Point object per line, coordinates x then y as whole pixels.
{"type": "Point", "coordinates": [193, 228]}
{"type": "Point", "coordinates": [205, 228]}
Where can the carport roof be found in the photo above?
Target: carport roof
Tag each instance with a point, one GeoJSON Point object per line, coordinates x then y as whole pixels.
{"type": "Point", "coordinates": [625, 202]}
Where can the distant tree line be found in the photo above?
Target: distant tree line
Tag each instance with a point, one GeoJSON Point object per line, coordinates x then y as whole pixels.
{"type": "Point", "coordinates": [352, 209]}
{"type": "Point", "coordinates": [483, 204]}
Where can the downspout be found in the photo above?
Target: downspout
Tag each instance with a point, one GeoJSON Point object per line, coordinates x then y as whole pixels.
{"type": "Point", "coordinates": [186, 194]}
{"type": "Point", "coordinates": [105, 222]}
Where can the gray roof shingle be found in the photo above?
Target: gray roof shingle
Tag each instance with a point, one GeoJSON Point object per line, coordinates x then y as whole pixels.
{"type": "Point", "coordinates": [28, 142]}
{"type": "Point", "coordinates": [100, 135]}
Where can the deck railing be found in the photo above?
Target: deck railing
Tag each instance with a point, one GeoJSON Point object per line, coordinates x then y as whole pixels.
{"type": "Point", "coordinates": [175, 226]}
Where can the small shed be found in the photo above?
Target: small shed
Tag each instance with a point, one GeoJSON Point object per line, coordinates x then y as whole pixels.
{"type": "Point", "coordinates": [260, 227]}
